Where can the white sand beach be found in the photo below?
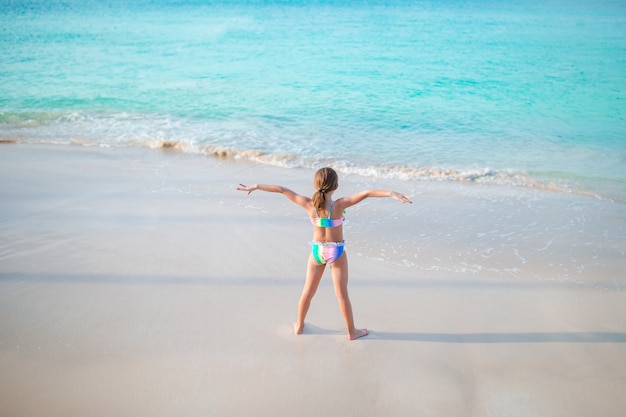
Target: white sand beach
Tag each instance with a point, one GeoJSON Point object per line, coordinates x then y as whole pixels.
{"type": "Point", "coordinates": [141, 283]}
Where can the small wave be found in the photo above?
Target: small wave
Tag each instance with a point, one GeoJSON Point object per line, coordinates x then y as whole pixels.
{"type": "Point", "coordinates": [381, 171]}
{"type": "Point", "coordinates": [170, 145]}
{"type": "Point", "coordinates": [393, 171]}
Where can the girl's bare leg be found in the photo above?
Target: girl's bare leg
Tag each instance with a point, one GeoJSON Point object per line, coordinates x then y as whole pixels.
{"type": "Point", "coordinates": [314, 274]}
{"type": "Point", "coordinates": [339, 270]}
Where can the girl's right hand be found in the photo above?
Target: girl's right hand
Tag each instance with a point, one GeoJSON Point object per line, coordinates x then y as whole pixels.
{"type": "Point", "coordinates": [401, 197]}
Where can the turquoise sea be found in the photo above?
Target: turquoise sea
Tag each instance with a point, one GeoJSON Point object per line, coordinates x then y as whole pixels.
{"type": "Point", "coordinates": [518, 93]}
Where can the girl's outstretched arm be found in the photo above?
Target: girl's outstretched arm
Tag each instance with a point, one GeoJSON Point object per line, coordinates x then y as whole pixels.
{"type": "Point", "coordinates": [271, 188]}
{"type": "Point", "coordinates": [360, 196]}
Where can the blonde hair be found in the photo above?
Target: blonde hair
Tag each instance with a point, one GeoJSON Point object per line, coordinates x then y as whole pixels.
{"type": "Point", "coordinates": [325, 180]}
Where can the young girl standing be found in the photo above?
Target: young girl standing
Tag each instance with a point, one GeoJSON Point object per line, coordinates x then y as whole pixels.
{"type": "Point", "coordinates": [327, 216]}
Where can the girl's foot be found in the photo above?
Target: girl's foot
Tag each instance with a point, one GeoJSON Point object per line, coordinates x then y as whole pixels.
{"type": "Point", "coordinates": [297, 329]}
{"type": "Point", "coordinates": [358, 333]}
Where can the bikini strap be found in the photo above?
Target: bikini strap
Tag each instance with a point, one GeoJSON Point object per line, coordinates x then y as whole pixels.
{"type": "Point", "coordinates": [330, 210]}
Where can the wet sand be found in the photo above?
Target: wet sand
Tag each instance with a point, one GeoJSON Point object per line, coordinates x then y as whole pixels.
{"type": "Point", "coordinates": [140, 283]}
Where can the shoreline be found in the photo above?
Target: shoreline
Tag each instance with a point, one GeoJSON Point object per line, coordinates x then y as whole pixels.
{"type": "Point", "coordinates": [574, 184]}
{"type": "Point", "coordinates": [143, 284]}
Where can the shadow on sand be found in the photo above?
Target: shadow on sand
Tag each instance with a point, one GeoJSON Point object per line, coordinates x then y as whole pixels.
{"type": "Point", "coordinates": [532, 337]}
{"type": "Point", "coordinates": [538, 337]}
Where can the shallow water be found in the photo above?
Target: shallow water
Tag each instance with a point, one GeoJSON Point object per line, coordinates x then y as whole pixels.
{"type": "Point", "coordinates": [527, 94]}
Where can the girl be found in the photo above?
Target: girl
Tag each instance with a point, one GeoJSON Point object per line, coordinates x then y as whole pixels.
{"type": "Point", "coordinates": [328, 244]}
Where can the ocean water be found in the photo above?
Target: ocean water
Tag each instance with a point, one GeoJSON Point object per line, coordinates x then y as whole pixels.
{"type": "Point", "coordinates": [523, 94]}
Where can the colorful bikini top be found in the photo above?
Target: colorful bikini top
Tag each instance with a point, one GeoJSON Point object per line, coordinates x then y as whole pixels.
{"type": "Point", "coordinates": [327, 221]}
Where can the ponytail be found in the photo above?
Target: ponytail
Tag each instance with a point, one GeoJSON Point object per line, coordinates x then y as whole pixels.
{"type": "Point", "coordinates": [325, 180]}
{"type": "Point", "coordinates": [319, 199]}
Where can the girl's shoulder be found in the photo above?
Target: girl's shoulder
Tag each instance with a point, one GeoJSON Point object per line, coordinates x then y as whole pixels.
{"type": "Point", "coordinates": [343, 203]}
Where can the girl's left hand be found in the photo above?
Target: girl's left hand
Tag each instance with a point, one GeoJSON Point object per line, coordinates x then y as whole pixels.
{"type": "Point", "coordinates": [246, 188]}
